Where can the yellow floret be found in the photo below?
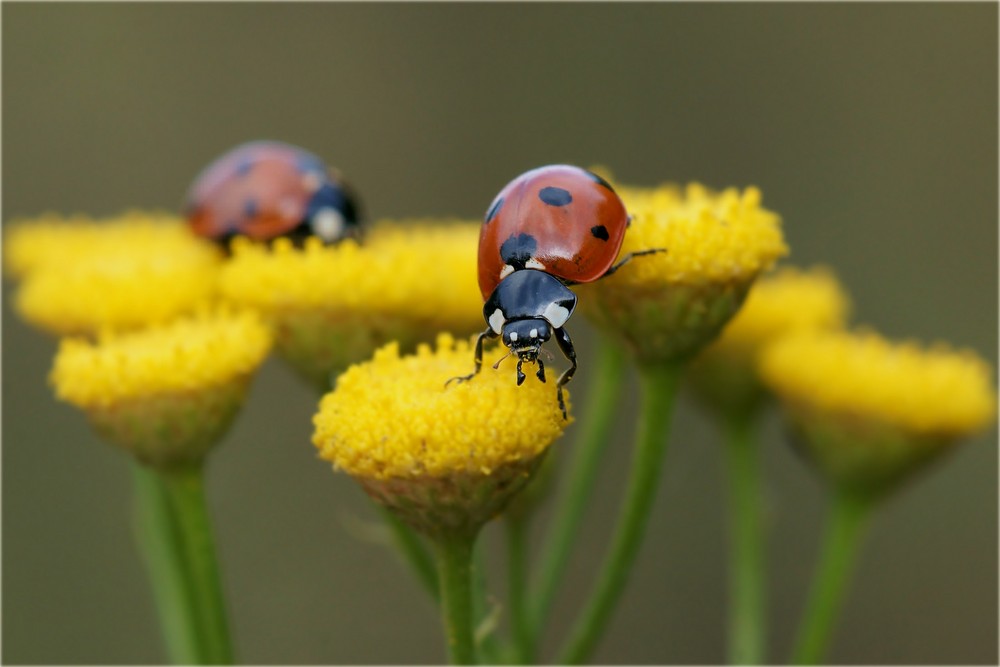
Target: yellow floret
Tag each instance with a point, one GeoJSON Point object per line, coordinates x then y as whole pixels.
{"type": "Point", "coordinates": [927, 392]}
{"type": "Point", "coordinates": [125, 273]}
{"type": "Point", "coordinates": [424, 271]}
{"type": "Point", "coordinates": [332, 306]}
{"type": "Point", "coordinates": [786, 301]}
{"type": "Point", "coordinates": [709, 236]}
{"type": "Point", "coordinates": [56, 240]}
{"type": "Point", "coordinates": [186, 356]}
{"type": "Point", "coordinates": [393, 417]}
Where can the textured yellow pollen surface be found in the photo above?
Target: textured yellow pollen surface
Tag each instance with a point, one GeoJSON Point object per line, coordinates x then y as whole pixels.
{"type": "Point", "coordinates": [187, 355]}
{"type": "Point", "coordinates": [709, 236]}
{"type": "Point", "coordinates": [926, 391]}
{"type": "Point", "coordinates": [788, 300]}
{"type": "Point", "coordinates": [56, 240]}
{"type": "Point", "coordinates": [418, 268]}
{"type": "Point", "coordinates": [124, 273]}
{"type": "Point", "coordinates": [394, 417]}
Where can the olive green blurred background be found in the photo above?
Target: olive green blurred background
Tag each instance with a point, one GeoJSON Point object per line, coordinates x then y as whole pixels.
{"type": "Point", "coordinates": [871, 128]}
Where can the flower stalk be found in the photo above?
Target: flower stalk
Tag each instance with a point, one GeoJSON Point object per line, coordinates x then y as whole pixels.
{"type": "Point", "coordinates": [845, 525]}
{"type": "Point", "coordinates": [658, 386]}
{"type": "Point", "coordinates": [747, 625]}
{"type": "Point", "coordinates": [175, 535]}
{"type": "Point", "coordinates": [601, 410]}
{"type": "Point", "coordinates": [454, 558]}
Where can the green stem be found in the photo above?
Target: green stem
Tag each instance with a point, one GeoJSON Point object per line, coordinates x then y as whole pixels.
{"type": "Point", "coordinates": [485, 613]}
{"type": "Point", "coordinates": [413, 552]}
{"type": "Point", "coordinates": [160, 543]}
{"type": "Point", "coordinates": [454, 555]}
{"type": "Point", "coordinates": [847, 517]}
{"type": "Point", "coordinates": [517, 561]}
{"type": "Point", "coordinates": [600, 413]}
{"type": "Point", "coordinates": [658, 388]}
{"type": "Point", "coordinates": [184, 489]}
{"type": "Point", "coordinates": [746, 561]}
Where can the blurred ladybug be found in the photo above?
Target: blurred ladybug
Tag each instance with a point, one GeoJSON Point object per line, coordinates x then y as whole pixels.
{"type": "Point", "coordinates": [548, 228]}
{"type": "Point", "coordinates": [266, 189]}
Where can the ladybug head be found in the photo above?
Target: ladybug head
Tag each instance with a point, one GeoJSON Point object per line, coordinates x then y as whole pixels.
{"type": "Point", "coordinates": [524, 338]}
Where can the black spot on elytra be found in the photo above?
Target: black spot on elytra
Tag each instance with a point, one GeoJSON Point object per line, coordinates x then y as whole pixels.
{"type": "Point", "coordinates": [492, 213]}
{"type": "Point", "coordinates": [517, 250]}
{"type": "Point", "coordinates": [597, 179]}
{"type": "Point", "coordinates": [601, 232]}
{"type": "Point", "coordinates": [244, 166]}
{"type": "Point", "coordinates": [554, 196]}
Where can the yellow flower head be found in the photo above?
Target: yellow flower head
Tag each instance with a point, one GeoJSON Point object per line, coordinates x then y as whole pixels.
{"type": "Point", "coordinates": [870, 409]}
{"type": "Point", "coordinates": [332, 306]}
{"type": "Point", "coordinates": [666, 305]}
{"type": "Point", "coordinates": [445, 457]}
{"type": "Point", "coordinates": [123, 273]}
{"type": "Point", "coordinates": [165, 393]}
{"type": "Point", "coordinates": [57, 240]}
{"type": "Point", "coordinates": [786, 301]}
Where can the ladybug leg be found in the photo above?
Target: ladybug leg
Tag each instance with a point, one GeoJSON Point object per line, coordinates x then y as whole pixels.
{"type": "Point", "coordinates": [541, 370]}
{"type": "Point", "coordinates": [489, 333]}
{"type": "Point", "coordinates": [566, 345]}
{"type": "Point", "coordinates": [520, 373]}
{"type": "Point", "coordinates": [627, 258]}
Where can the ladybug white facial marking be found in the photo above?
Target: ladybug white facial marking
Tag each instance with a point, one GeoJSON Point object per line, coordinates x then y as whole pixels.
{"type": "Point", "coordinates": [328, 224]}
{"type": "Point", "coordinates": [556, 315]}
{"type": "Point", "coordinates": [497, 320]}
{"type": "Point", "coordinates": [534, 264]}
{"type": "Point", "coordinates": [513, 336]}
{"type": "Point", "coordinates": [506, 271]}
{"type": "Point", "coordinates": [534, 333]}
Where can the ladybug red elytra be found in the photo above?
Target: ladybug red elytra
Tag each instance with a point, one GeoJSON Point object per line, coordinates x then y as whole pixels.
{"type": "Point", "coordinates": [550, 227]}
{"type": "Point", "coordinates": [266, 189]}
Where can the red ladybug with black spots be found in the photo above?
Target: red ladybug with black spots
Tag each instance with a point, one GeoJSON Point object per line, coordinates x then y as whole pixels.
{"type": "Point", "coordinates": [266, 189]}
{"type": "Point", "coordinates": [550, 227]}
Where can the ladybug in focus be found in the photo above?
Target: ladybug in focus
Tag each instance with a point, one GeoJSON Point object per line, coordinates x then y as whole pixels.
{"type": "Point", "coordinates": [549, 228]}
{"type": "Point", "coordinates": [266, 189]}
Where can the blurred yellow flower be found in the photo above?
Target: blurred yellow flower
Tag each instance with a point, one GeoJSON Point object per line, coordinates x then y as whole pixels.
{"type": "Point", "coordinates": [122, 273]}
{"type": "Point", "coordinates": [332, 306]}
{"type": "Point", "coordinates": [57, 240]}
{"type": "Point", "coordinates": [458, 451]}
{"type": "Point", "coordinates": [667, 305]}
{"type": "Point", "coordinates": [165, 393]}
{"type": "Point", "coordinates": [869, 409]}
{"type": "Point", "coordinates": [780, 303]}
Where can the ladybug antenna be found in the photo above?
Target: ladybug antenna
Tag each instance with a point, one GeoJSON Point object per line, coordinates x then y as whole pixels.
{"type": "Point", "coordinates": [497, 364]}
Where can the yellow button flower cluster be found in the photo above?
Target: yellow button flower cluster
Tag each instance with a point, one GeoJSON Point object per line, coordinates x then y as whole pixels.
{"type": "Point", "coordinates": [932, 391]}
{"type": "Point", "coordinates": [122, 273]}
{"type": "Point", "coordinates": [709, 236]}
{"type": "Point", "coordinates": [667, 305]}
{"type": "Point", "coordinates": [332, 306]}
{"type": "Point", "coordinates": [185, 356]}
{"type": "Point", "coordinates": [394, 417]}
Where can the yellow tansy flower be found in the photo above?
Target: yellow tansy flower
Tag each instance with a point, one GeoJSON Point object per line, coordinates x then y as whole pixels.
{"type": "Point", "coordinates": [870, 410]}
{"type": "Point", "coordinates": [165, 393]}
{"type": "Point", "coordinates": [446, 458]}
{"type": "Point", "coordinates": [57, 240]}
{"type": "Point", "coordinates": [786, 301]}
{"type": "Point", "coordinates": [122, 273]}
{"type": "Point", "coordinates": [666, 305]}
{"type": "Point", "coordinates": [332, 306]}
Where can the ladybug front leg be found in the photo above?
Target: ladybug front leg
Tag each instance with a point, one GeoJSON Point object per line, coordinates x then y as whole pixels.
{"type": "Point", "coordinates": [489, 333]}
{"type": "Point", "coordinates": [566, 345]}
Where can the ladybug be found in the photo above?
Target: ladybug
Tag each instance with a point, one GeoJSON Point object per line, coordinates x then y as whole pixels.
{"type": "Point", "coordinates": [549, 228]}
{"type": "Point", "coordinates": [266, 189]}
